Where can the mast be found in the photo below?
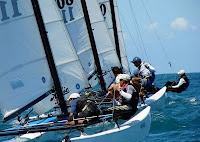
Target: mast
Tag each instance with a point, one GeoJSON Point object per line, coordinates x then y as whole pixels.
{"type": "Point", "coordinates": [49, 55]}
{"type": "Point", "coordinates": [115, 30]}
{"type": "Point", "coordinates": [93, 45]}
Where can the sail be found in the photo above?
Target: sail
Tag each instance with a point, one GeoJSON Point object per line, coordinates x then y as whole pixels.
{"type": "Point", "coordinates": [106, 11]}
{"type": "Point", "coordinates": [75, 22]}
{"type": "Point", "coordinates": [24, 71]}
{"type": "Point", "coordinates": [71, 74]}
{"type": "Point", "coordinates": [106, 50]}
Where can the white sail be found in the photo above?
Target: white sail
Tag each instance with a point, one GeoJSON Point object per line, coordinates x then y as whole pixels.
{"type": "Point", "coordinates": [106, 50]}
{"type": "Point", "coordinates": [24, 72]}
{"type": "Point", "coordinates": [71, 74]}
{"type": "Point", "coordinates": [75, 23]}
{"type": "Point", "coordinates": [106, 11]}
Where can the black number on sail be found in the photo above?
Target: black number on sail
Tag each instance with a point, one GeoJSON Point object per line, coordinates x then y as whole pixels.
{"type": "Point", "coordinates": [69, 2]}
{"type": "Point", "coordinates": [103, 9]}
{"type": "Point", "coordinates": [16, 12]}
{"type": "Point", "coordinates": [61, 3]}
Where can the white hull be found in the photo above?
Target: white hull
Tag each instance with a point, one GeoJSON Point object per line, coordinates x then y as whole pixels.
{"type": "Point", "coordinates": [137, 128]}
{"type": "Point", "coordinates": [156, 101]}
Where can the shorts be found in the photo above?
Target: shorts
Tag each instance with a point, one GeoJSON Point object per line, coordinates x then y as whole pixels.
{"type": "Point", "coordinates": [146, 83]}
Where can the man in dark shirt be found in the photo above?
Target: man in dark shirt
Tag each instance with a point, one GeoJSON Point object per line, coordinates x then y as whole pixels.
{"type": "Point", "coordinates": [80, 107]}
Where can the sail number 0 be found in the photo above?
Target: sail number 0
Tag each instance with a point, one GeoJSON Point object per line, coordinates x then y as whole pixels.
{"type": "Point", "coordinates": [103, 9]}
{"type": "Point", "coordinates": [61, 3]}
{"type": "Point", "coordinates": [16, 12]}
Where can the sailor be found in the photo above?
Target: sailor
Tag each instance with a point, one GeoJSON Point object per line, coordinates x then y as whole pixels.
{"type": "Point", "coordinates": [182, 84]}
{"type": "Point", "coordinates": [80, 107]}
{"type": "Point", "coordinates": [116, 71]}
{"type": "Point", "coordinates": [146, 77]}
{"type": "Point", "coordinates": [128, 94]}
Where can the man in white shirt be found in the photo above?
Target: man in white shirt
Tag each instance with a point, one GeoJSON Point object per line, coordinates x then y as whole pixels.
{"type": "Point", "coordinates": [125, 93]}
{"type": "Point", "coordinates": [182, 84]}
{"type": "Point", "coordinates": [144, 75]}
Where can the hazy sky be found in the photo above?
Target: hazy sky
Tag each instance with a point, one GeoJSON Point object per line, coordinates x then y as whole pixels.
{"type": "Point", "coordinates": [162, 31]}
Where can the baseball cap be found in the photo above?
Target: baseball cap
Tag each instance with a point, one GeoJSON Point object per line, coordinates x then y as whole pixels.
{"type": "Point", "coordinates": [124, 77]}
{"type": "Point", "coordinates": [136, 59]}
{"type": "Point", "coordinates": [74, 96]}
{"type": "Point", "coordinates": [181, 72]}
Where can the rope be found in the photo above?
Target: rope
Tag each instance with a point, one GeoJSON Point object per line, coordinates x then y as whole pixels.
{"type": "Point", "coordinates": [129, 33]}
{"type": "Point", "coordinates": [158, 37]}
{"type": "Point", "coordinates": [113, 105]}
{"type": "Point", "coordinates": [138, 31]}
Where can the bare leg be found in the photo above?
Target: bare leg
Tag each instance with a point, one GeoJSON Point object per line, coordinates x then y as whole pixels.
{"type": "Point", "coordinates": [136, 83]}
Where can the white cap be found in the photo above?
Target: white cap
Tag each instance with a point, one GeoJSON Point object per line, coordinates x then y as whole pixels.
{"type": "Point", "coordinates": [181, 72]}
{"type": "Point", "coordinates": [124, 77]}
{"type": "Point", "coordinates": [74, 96]}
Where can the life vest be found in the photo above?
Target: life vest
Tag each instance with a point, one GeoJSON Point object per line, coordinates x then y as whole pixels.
{"type": "Point", "coordinates": [184, 86]}
{"type": "Point", "coordinates": [151, 70]}
{"type": "Point", "coordinates": [86, 107]}
{"type": "Point", "coordinates": [134, 99]}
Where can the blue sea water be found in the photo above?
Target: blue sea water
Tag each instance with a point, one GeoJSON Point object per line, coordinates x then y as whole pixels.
{"type": "Point", "coordinates": [179, 120]}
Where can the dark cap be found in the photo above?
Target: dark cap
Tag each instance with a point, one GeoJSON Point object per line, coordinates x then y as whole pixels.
{"type": "Point", "coordinates": [136, 59]}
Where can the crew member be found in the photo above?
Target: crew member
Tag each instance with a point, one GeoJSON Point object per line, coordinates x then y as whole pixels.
{"type": "Point", "coordinates": [145, 78]}
{"type": "Point", "coordinates": [182, 84]}
{"type": "Point", "coordinates": [80, 107]}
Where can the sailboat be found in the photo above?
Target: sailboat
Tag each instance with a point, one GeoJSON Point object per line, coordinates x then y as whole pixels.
{"type": "Point", "coordinates": [41, 60]}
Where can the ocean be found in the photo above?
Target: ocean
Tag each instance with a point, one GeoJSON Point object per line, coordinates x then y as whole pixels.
{"type": "Point", "coordinates": [179, 120]}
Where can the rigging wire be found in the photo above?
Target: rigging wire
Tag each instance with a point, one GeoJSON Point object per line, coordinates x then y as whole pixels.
{"type": "Point", "coordinates": [113, 105]}
{"type": "Point", "coordinates": [138, 30]}
{"type": "Point", "coordinates": [129, 33]}
{"type": "Point", "coordinates": [158, 37]}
